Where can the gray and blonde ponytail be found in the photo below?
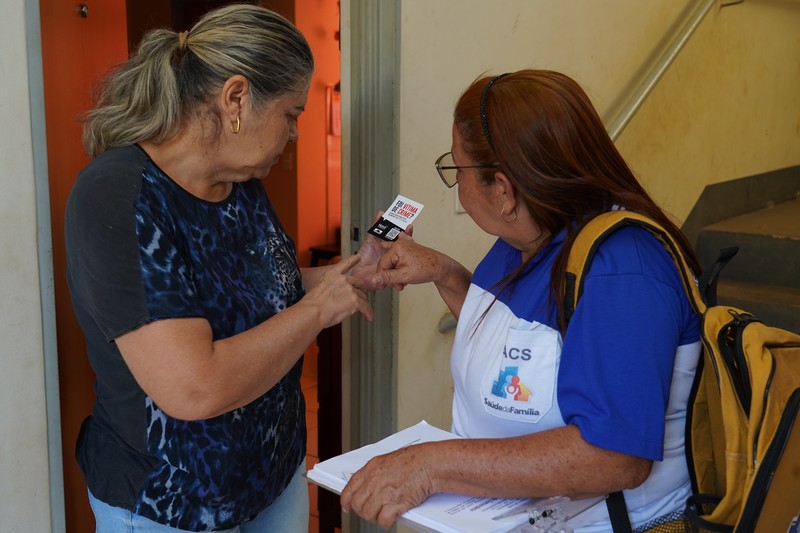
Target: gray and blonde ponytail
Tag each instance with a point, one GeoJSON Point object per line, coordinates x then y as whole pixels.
{"type": "Point", "coordinates": [148, 97]}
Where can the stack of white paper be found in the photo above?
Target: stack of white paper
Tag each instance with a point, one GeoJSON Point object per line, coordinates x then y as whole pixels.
{"type": "Point", "coordinates": [446, 513]}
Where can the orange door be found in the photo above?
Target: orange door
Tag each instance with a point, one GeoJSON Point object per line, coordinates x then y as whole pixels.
{"type": "Point", "coordinates": [76, 51]}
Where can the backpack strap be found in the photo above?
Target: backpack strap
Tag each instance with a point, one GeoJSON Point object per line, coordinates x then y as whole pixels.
{"type": "Point", "coordinates": [708, 281]}
{"type": "Point", "coordinates": [618, 512]}
{"type": "Point", "coordinates": [580, 258]}
{"type": "Point", "coordinates": [595, 232]}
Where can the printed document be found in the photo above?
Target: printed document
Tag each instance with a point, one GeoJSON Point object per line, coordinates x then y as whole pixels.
{"type": "Point", "coordinates": [445, 513]}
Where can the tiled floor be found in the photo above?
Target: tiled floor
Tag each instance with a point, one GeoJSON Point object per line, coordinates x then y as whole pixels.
{"type": "Point", "coordinates": [308, 382]}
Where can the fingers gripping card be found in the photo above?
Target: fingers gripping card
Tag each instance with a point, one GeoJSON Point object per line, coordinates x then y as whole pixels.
{"type": "Point", "coordinates": [396, 219]}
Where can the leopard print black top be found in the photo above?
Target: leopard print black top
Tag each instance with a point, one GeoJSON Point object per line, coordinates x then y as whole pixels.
{"type": "Point", "coordinates": [140, 248]}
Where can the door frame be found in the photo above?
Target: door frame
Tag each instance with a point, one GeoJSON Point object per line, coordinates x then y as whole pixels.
{"type": "Point", "coordinates": [369, 173]}
{"type": "Point", "coordinates": [44, 245]}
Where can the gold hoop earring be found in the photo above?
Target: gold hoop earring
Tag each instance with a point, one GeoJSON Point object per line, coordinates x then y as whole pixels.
{"type": "Point", "coordinates": [235, 128]}
{"type": "Point", "coordinates": [503, 215]}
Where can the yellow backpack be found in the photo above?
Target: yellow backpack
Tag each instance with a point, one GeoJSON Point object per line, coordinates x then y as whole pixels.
{"type": "Point", "coordinates": [742, 428]}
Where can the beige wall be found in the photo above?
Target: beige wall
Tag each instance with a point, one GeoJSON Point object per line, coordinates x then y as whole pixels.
{"type": "Point", "coordinates": [24, 481]}
{"type": "Point", "coordinates": [727, 108]}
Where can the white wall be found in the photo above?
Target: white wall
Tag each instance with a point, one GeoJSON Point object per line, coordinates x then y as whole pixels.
{"type": "Point", "coordinates": [727, 108]}
{"type": "Point", "coordinates": [24, 478]}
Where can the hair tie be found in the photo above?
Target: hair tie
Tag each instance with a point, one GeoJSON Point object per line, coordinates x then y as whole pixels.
{"type": "Point", "coordinates": [183, 40]}
{"type": "Point", "coordinates": [484, 121]}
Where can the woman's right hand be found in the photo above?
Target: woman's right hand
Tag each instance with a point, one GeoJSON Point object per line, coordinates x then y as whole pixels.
{"type": "Point", "coordinates": [338, 295]}
{"type": "Point", "coordinates": [407, 262]}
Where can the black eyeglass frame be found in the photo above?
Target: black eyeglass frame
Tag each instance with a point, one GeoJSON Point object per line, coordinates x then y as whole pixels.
{"type": "Point", "coordinates": [440, 168]}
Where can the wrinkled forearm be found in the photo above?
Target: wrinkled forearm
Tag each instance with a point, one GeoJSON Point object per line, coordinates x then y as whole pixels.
{"type": "Point", "coordinates": [549, 463]}
{"type": "Point", "coordinates": [453, 285]}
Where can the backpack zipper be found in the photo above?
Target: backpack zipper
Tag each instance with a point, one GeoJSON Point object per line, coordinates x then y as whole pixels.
{"type": "Point", "coordinates": [732, 351]}
{"type": "Point", "coordinates": [761, 483]}
{"type": "Point", "coordinates": [763, 412]}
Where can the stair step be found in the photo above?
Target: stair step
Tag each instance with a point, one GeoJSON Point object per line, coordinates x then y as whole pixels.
{"type": "Point", "coordinates": [768, 241]}
{"type": "Point", "coordinates": [776, 305]}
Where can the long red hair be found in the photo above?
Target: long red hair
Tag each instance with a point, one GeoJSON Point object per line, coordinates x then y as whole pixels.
{"type": "Point", "coordinates": [549, 140]}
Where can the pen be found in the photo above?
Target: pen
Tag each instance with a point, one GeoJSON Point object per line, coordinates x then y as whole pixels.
{"type": "Point", "coordinates": [534, 516]}
{"type": "Point", "coordinates": [558, 508]}
{"type": "Point", "coordinates": [534, 507]}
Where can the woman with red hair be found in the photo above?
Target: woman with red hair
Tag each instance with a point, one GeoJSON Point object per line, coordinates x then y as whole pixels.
{"type": "Point", "coordinates": [583, 409]}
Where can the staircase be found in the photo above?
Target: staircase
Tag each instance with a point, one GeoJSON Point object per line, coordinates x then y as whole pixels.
{"type": "Point", "coordinates": [764, 277]}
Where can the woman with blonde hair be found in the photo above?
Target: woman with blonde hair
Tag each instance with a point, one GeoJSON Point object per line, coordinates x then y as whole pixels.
{"type": "Point", "coordinates": [188, 290]}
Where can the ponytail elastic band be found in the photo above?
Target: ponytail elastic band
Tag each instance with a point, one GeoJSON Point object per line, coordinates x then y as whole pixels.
{"type": "Point", "coordinates": [183, 38]}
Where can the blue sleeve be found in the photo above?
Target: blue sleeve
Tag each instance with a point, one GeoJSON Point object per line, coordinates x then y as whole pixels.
{"type": "Point", "coordinates": [619, 349]}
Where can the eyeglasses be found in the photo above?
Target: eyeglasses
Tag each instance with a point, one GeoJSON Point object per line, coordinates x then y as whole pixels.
{"type": "Point", "coordinates": [448, 170]}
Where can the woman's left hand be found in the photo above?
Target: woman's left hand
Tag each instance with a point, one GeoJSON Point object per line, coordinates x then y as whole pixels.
{"type": "Point", "coordinates": [367, 268]}
{"type": "Point", "coordinates": [370, 253]}
{"type": "Point", "coordinates": [388, 486]}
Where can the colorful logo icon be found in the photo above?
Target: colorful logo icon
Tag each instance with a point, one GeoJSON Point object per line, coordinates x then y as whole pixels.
{"type": "Point", "coordinates": [509, 385]}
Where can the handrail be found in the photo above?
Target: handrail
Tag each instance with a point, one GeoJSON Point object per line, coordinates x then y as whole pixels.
{"type": "Point", "coordinates": [642, 89]}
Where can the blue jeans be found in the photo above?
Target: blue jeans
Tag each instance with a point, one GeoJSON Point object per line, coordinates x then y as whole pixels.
{"type": "Point", "coordinates": [289, 513]}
